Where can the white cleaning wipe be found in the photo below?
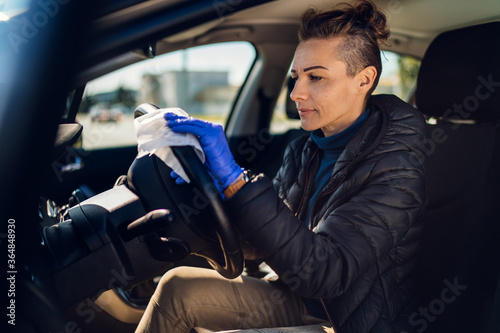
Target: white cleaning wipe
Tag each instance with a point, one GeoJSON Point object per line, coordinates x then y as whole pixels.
{"type": "Point", "coordinates": [155, 137]}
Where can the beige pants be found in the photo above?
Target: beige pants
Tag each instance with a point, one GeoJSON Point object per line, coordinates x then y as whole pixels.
{"type": "Point", "coordinates": [188, 298]}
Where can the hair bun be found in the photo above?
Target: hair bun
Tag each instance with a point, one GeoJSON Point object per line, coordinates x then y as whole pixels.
{"type": "Point", "coordinates": [360, 27]}
{"type": "Point", "coordinates": [368, 15]}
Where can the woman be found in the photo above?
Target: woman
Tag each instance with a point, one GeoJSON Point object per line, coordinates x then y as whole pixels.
{"type": "Point", "coordinates": [340, 223]}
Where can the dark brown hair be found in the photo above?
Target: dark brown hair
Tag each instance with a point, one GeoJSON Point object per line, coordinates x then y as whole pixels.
{"type": "Point", "coordinates": [361, 26]}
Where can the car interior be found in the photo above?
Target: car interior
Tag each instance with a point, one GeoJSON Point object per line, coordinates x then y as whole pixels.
{"type": "Point", "coordinates": [96, 227]}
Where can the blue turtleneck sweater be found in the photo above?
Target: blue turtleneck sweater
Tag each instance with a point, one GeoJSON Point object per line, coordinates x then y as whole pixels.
{"type": "Point", "coordinates": [331, 147]}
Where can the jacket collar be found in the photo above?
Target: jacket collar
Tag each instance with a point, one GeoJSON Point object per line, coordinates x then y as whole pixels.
{"type": "Point", "coordinates": [361, 144]}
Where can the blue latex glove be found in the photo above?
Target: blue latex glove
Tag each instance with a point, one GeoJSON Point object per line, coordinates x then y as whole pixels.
{"type": "Point", "coordinates": [219, 160]}
{"type": "Point", "coordinates": [178, 179]}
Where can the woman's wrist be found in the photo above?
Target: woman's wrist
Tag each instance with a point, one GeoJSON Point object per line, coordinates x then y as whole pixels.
{"type": "Point", "coordinates": [237, 184]}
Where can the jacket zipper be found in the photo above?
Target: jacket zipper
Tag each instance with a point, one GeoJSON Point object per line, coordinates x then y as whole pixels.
{"type": "Point", "coordinates": [311, 227]}
{"type": "Point", "coordinates": [374, 144]}
{"type": "Point", "coordinates": [305, 185]}
{"type": "Point", "coordinates": [324, 194]}
{"type": "Point", "coordinates": [297, 212]}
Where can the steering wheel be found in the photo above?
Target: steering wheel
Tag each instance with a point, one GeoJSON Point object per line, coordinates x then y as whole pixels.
{"type": "Point", "coordinates": [230, 264]}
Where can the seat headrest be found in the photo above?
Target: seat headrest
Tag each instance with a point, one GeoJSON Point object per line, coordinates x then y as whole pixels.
{"type": "Point", "coordinates": [459, 77]}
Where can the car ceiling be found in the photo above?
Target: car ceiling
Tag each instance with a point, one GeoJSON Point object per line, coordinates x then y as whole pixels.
{"type": "Point", "coordinates": [420, 18]}
{"type": "Point", "coordinates": [413, 23]}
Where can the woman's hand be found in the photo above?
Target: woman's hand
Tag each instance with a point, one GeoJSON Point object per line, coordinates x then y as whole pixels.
{"type": "Point", "coordinates": [219, 160]}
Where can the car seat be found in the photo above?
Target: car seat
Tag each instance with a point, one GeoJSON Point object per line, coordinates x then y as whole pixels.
{"type": "Point", "coordinates": [459, 86]}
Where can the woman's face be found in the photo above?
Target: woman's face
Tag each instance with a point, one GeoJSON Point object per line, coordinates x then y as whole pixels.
{"type": "Point", "coordinates": [325, 96]}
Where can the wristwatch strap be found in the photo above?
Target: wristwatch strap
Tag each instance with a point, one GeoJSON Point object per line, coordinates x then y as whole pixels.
{"type": "Point", "coordinates": [237, 184]}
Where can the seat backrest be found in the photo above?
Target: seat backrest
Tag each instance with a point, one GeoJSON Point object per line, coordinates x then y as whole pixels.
{"type": "Point", "coordinates": [459, 85]}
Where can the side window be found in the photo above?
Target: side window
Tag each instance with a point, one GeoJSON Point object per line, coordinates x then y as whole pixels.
{"type": "Point", "coordinates": [204, 81]}
{"type": "Point", "coordinates": [399, 76]}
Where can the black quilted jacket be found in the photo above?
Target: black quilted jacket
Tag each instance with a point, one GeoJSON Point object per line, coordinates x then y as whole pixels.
{"type": "Point", "coordinates": [362, 253]}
